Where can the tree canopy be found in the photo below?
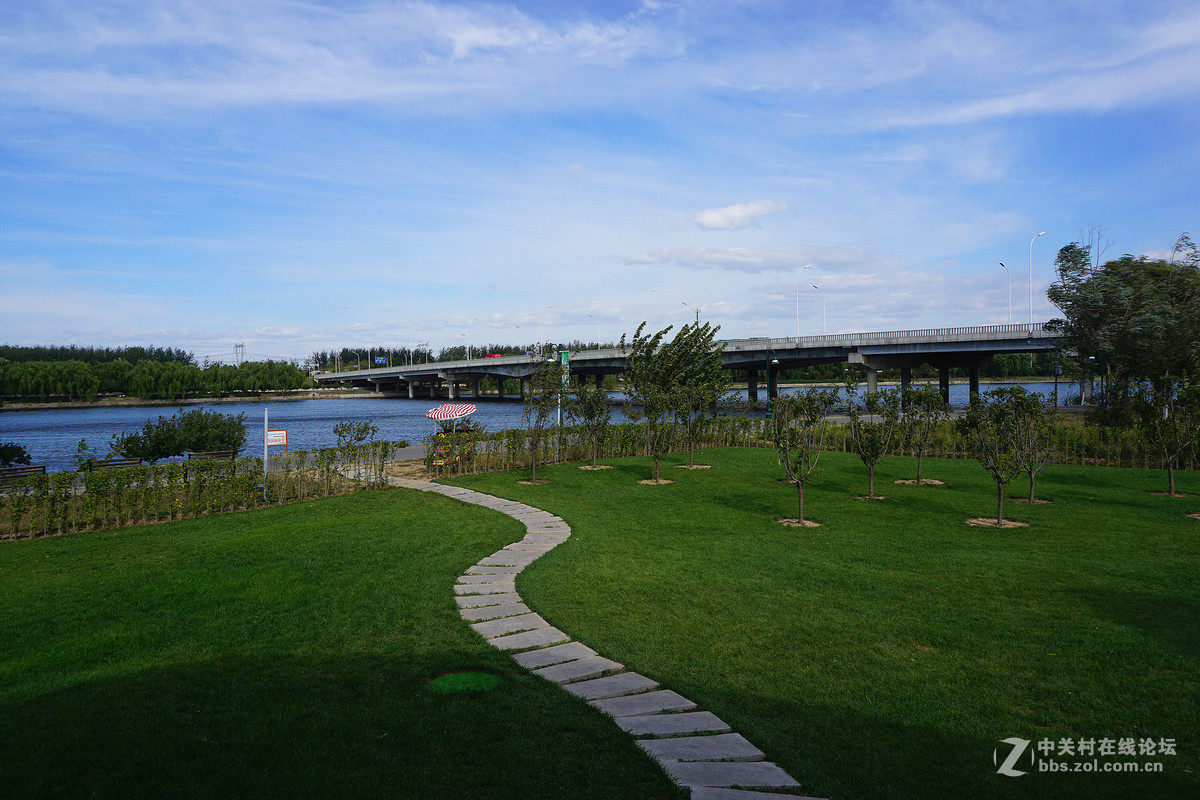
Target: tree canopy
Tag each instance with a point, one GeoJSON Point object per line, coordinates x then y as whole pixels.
{"type": "Point", "coordinates": [1132, 319]}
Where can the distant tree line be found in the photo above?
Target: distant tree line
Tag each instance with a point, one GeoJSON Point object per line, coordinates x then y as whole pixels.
{"type": "Point", "coordinates": [351, 358]}
{"type": "Point", "coordinates": [93, 355]}
{"type": "Point", "coordinates": [157, 380]}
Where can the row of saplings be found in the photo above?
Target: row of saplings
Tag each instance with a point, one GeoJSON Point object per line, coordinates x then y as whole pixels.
{"type": "Point", "coordinates": [1006, 430]}
{"type": "Point", "coordinates": [676, 385]}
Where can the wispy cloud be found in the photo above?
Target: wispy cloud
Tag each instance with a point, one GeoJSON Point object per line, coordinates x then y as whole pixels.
{"type": "Point", "coordinates": [731, 218]}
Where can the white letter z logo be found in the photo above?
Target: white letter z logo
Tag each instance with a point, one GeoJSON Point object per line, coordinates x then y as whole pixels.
{"type": "Point", "coordinates": [1018, 746]}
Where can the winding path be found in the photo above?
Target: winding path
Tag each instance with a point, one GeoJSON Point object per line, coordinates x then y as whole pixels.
{"type": "Point", "coordinates": [696, 748]}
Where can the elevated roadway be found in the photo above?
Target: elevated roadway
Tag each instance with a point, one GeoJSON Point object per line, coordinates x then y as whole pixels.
{"type": "Point", "coordinates": [944, 348]}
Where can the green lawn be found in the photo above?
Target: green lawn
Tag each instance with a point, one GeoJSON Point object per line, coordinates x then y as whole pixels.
{"type": "Point", "coordinates": [281, 653]}
{"type": "Point", "coordinates": [886, 653]}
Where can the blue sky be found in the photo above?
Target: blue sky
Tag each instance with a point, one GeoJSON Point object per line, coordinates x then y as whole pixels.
{"type": "Point", "coordinates": [303, 175]}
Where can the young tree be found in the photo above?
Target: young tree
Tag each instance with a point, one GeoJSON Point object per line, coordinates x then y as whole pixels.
{"type": "Point", "coordinates": [694, 407]}
{"type": "Point", "coordinates": [872, 427]}
{"type": "Point", "coordinates": [1169, 417]}
{"type": "Point", "coordinates": [991, 426]}
{"type": "Point", "coordinates": [195, 431]}
{"type": "Point", "coordinates": [656, 369]}
{"type": "Point", "coordinates": [539, 407]}
{"type": "Point", "coordinates": [590, 408]}
{"type": "Point", "coordinates": [797, 428]}
{"type": "Point", "coordinates": [1033, 430]}
{"type": "Point", "coordinates": [13, 454]}
{"type": "Point", "coordinates": [922, 410]}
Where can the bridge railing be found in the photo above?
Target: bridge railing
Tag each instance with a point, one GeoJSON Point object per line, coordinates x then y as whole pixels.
{"type": "Point", "coordinates": [976, 331]}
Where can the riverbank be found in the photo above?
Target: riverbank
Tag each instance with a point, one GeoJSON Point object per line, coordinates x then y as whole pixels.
{"type": "Point", "coordinates": [141, 402]}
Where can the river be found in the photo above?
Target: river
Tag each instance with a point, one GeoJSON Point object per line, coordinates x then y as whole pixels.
{"type": "Point", "coordinates": [52, 434]}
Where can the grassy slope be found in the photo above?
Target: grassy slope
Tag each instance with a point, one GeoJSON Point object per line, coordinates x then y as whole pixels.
{"type": "Point", "coordinates": [885, 653]}
{"type": "Point", "coordinates": [281, 653]}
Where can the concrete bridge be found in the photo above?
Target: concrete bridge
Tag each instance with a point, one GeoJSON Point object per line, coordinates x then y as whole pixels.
{"type": "Point", "coordinates": [943, 348]}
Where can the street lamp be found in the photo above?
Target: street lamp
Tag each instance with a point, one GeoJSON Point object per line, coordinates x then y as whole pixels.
{"type": "Point", "coordinates": [597, 330]}
{"type": "Point", "coordinates": [524, 347]}
{"type": "Point", "coordinates": [541, 316]}
{"type": "Point", "coordinates": [646, 297]}
{"type": "Point", "coordinates": [1009, 292]}
{"type": "Point", "coordinates": [468, 334]}
{"type": "Point", "coordinates": [818, 288]}
{"type": "Point", "coordinates": [1031, 241]}
{"type": "Point", "coordinates": [806, 266]}
{"type": "Point", "coordinates": [412, 351]}
{"type": "Point", "coordinates": [695, 310]}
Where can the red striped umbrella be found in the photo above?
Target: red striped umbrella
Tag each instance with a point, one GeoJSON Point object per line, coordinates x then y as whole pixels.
{"type": "Point", "coordinates": [451, 411]}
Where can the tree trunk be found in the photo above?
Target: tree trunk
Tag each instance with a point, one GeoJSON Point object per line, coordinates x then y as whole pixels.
{"type": "Point", "coordinates": [800, 502]}
{"type": "Point", "coordinates": [656, 460]}
{"type": "Point", "coordinates": [1032, 478]}
{"type": "Point", "coordinates": [919, 454]}
{"type": "Point", "coordinates": [871, 481]}
{"type": "Point", "coordinates": [595, 447]}
{"type": "Point", "coordinates": [691, 454]}
{"type": "Point", "coordinates": [999, 504]}
{"type": "Point", "coordinates": [1170, 476]}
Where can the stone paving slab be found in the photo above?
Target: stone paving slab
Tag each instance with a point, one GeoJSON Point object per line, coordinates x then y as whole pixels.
{"type": "Point", "coordinates": [505, 587]}
{"type": "Point", "coordinates": [581, 669]}
{"type": "Point", "coordinates": [754, 774]}
{"type": "Point", "coordinates": [611, 686]}
{"type": "Point", "coordinates": [498, 627]}
{"type": "Point", "coordinates": [511, 558]}
{"type": "Point", "coordinates": [493, 570]}
{"type": "Point", "coordinates": [716, 793]}
{"type": "Point", "coordinates": [539, 638]}
{"type": "Point", "coordinates": [553, 655]}
{"type": "Point", "coordinates": [660, 725]}
{"type": "Point", "coordinates": [722, 747]}
{"type": "Point", "coordinates": [493, 612]}
{"type": "Point", "coordinates": [474, 579]}
{"type": "Point", "coordinates": [648, 703]}
{"type": "Point", "coordinates": [541, 547]}
{"type": "Point", "coordinates": [476, 600]}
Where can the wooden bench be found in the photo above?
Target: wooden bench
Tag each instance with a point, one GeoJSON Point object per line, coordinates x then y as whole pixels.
{"type": "Point", "coordinates": [104, 463]}
{"type": "Point", "coordinates": [10, 475]}
{"type": "Point", "coordinates": [209, 455]}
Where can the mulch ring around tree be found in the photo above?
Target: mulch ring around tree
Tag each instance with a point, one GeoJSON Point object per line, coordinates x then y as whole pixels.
{"type": "Point", "coordinates": [795, 523]}
{"type": "Point", "coordinates": [1036, 501]}
{"type": "Point", "coordinates": [922, 482]}
{"type": "Point", "coordinates": [693, 466]}
{"type": "Point", "coordinates": [652, 482]}
{"type": "Point", "coordinates": [590, 468]}
{"type": "Point", "coordinates": [1194, 516]}
{"type": "Point", "coordinates": [1168, 494]}
{"type": "Point", "coordinates": [870, 497]}
{"type": "Point", "coordinates": [538, 482]}
{"type": "Point", "coordinates": [990, 522]}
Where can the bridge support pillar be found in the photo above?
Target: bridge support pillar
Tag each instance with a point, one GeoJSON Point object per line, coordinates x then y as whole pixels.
{"type": "Point", "coordinates": [475, 386]}
{"type": "Point", "coordinates": [944, 382]}
{"type": "Point", "coordinates": [752, 384]}
{"type": "Point", "coordinates": [772, 382]}
{"type": "Point", "coordinates": [872, 380]}
{"type": "Point", "coordinates": [499, 387]}
{"type": "Point", "coordinates": [412, 390]}
{"type": "Point", "coordinates": [973, 377]}
{"type": "Point", "coordinates": [450, 389]}
{"type": "Point", "coordinates": [905, 384]}
{"type": "Point", "coordinates": [525, 389]}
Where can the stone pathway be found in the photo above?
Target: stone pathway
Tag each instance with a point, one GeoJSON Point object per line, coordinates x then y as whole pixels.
{"type": "Point", "coordinates": [696, 748]}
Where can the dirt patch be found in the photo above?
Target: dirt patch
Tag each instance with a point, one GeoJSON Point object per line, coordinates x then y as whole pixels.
{"type": "Point", "coordinates": [1027, 501]}
{"type": "Point", "coordinates": [652, 482]}
{"type": "Point", "coordinates": [1194, 516]}
{"type": "Point", "coordinates": [922, 482]}
{"type": "Point", "coordinates": [869, 497]}
{"type": "Point", "coordinates": [795, 523]}
{"type": "Point", "coordinates": [533, 483]}
{"type": "Point", "coordinates": [407, 469]}
{"type": "Point", "coordinates": [693, 466]}
{"type": "Point", "coordinates": [989, 522]}
{"type": "Point", "coordinates": [1168, 494]}
{"type": "Point", "coordinates": [590, 468]}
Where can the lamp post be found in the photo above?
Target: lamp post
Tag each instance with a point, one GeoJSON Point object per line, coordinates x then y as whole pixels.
{"type": "Point", "coordinates": [541, 316]}
{"type": "Point", "coordinates": [473, 319]}
{"type": "Point", "coordinates": [806, 266]}
{"type": "Point", "coordinates": [597, 330]}
{"type": "Point", "coordinates": [412, 351]}
{"type": "Point", "coordinates": [524, 346]}
{"type": "Point", "coordinates": [818, 288]}
{"type": "Point", "coordinates": [1009, 291]}
{"type": "Point", "coordinates": [1031, 241]}
{"type": "Point", "coordinates": [695, 310]}
{"type": "Point", "coordinates": [646, 297]}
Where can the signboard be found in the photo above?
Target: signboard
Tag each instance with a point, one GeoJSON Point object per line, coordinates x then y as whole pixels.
{"type": "Point", "coordinates": [380, 360]}
{"type": "Point", "coordinates": [277, 438]}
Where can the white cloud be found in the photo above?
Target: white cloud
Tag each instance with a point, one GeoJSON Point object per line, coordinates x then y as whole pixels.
{"type": "Point", "coordinates": [731, 218]}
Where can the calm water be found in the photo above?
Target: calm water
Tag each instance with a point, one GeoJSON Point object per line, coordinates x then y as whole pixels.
{"type": "Point", "coordinates": [51, 435]}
